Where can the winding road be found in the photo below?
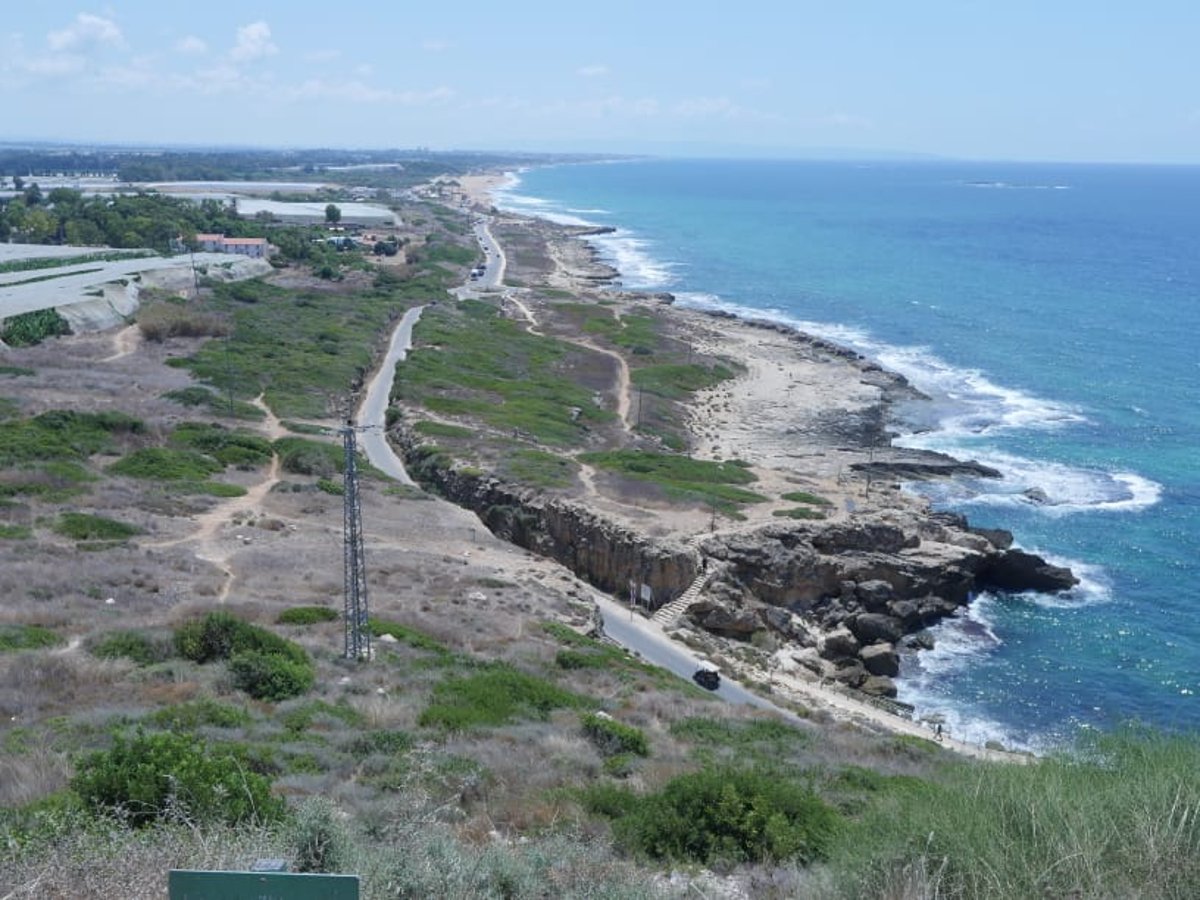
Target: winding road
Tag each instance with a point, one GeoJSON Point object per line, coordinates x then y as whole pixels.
{"type": "Point", "coordinates": [372, 412]}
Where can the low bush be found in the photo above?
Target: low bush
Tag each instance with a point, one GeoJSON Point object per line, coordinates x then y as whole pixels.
{"type": "Point", "coordinates": [166, 464]}
{"type": "Point", "coordinates": [26, 637]}
{"type": "Point", "coordinates": [299, 456]}
{"type": "Point", "coordinates": [725, 816]}
{"type": "Point", "coordinates": [614, 738]}
{"type": "Point", "coordinates": [264, 665]}
{"type": "Point", "coordinates": [173, 776]}
{"type": "Point", "coordinates": [84, 527]}
{"type": "Point", "coordinates": [270, 676]}
{"type": "Point", "coordinates": [233, 448]}
{"type": "Point", "coordinates": [494, 696]}
{"type": "Point", "coordinates": [307, 615]}
{"type": "Point", "coordinates": [164, 319]}
{"type": "Point", "coordinates": [27, 329]}
{"type": "Point", "coordinates": [137, 646]}
{"type": "Point", "coordinates": [198, 713]}
{"type": "Point", "coordinates": [798, 512]}
{"type": "Point", "coordinates": [406, 635]}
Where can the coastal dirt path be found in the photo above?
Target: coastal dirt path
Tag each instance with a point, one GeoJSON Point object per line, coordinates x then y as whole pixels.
{"type": "Point", "coordinates": [125, 342]}
{"type": "Point", "coordinates": [211, 546]}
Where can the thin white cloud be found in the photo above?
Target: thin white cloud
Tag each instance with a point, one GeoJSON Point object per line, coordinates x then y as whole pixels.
{"type": "Point", "coordinates": [755, 83]}
{"type": "Point", "coordinates": [593, 71]}
{"type": "Point", "coordinates": [253, 42]}
{"type": "Point", "coordinates": [84, 32]}
{"type": "Point", "coordinates": [54, 65]}
{"type": "Point", "coordinates": [435, 46]}
{"type": "Point", "coordinates": [357, 92]}
{"type": "Point", "coordinates": [191, 46]}
{"type": "Point", "coordinates": [322, 56]}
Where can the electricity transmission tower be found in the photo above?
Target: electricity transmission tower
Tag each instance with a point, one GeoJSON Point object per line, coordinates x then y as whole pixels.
{"type": "Point", "coordinates": [358, 631]}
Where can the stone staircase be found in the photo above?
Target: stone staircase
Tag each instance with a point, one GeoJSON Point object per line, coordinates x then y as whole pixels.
{"type": "Point", "coordinates": [667, 614]}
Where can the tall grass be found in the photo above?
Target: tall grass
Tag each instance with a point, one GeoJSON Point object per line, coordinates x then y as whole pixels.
{"type": "Point", "coordinates": [1120, 820]}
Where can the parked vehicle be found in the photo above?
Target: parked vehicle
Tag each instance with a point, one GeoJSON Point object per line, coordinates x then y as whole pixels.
{"type": "Point", "coordinates": [708, 677]}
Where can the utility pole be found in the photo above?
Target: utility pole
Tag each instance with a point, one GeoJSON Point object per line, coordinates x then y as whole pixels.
{"type": "Point", "coordinates": [357, 617]}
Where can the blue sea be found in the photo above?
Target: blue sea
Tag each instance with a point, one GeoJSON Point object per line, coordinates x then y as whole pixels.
{"type": "Point", "coordinates": [1052, 313]}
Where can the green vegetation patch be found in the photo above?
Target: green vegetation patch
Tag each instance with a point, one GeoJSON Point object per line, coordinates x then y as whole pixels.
{"type": "Point", "coordinates": [307, 615]}
{"type": "Point", "coordinates": [16, 371]}
{"type": "Point", "coordinates": [1112, 818]}
{"type": "Point", "coordinates": [26, 637]}
{"type": "Point", "coordinates": [799, 512]}
{"type": "Point", "coordinates": [409, 636]}
{"type": "Point", "coordinates": [28, 329]}
{"type": "Point", "coordinates": [299, 349]}
{"type": "Point", "coordinates": [163, 319]}
{"type": "Point", "coordinates": [805, 497]}
{"type": "Point", "coordinates": [85, 527]}
{"type": "Point", "coordinates": [493, 696]}
{"type": "Point", "coordinates": [203, 713]}
{"type": "Point", "coordinates": [723, 816]}
{"type": "Point", "coordinates": [635, 332]}
{"type": "Point", "coordinates": [441, 429]}
{"type": "Point", "coordinates": [263, 664]}
{"type": "Point", "coordinates": [232, 448]}
{"type": "Point", "coordinates": [300, 456]}
{"type": "Point", "coordinates": [678, 381]}
{"type": "Point", "coordinates": [682, 478]}
{"type": "Point", "coordinates": [539, 468]}
{"type": "Point", "coordinates": [167, 775]}
{"type": "Point", "coordinates": [63, 434]}
{"type": "Point", "coordinates": [15, 532]}
{"type": "Point", "coordinates": [471, 362]}
{"type": "Point", "coordinates": [613, 738]}
{"type": "Point", "coordinates": [167, 464]}
{"type": "Point", "coordinates": [218, 404]}
{"type": "Point", "coordinates": [137, 646]}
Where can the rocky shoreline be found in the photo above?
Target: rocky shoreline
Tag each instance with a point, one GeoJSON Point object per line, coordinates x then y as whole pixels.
{"type": "Point", "coordinates": [839, 598]}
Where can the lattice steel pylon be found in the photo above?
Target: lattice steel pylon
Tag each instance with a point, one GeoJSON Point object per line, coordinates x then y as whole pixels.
{"type": "Point", "coordinates": [358, 631]}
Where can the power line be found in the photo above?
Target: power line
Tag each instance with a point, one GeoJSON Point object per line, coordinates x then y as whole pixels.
{"type": "Point", "coordinates": [354, 566]}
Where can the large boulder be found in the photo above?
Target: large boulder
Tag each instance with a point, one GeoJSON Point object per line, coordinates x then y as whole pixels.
{"type": "Point", "coordinates": [872, 627]}
{"type": "Point", "coordinates": [850, 672]}
{"type": "Point", "coordinates": [875, 595]}
{"type": "Point", "coordinates": [876, 537]}
{"type": "Point", "coordinates": [881, 659]}
{"type": "Point", "coordinates": [840, 644]}
{"type": "Point", "coordinates": [878, 686]}
{"type": "Point", "coordinates": [719, 620]}
{"type": "Point", "coordinates": [1016, 570]}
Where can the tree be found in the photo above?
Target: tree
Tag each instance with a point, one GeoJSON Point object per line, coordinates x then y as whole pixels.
{"type": "Point", "coordinates": [333, 215]}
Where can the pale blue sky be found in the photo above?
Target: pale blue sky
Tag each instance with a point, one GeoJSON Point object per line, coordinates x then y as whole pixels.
{"type": "Point", "coordinates": [1004, 79]}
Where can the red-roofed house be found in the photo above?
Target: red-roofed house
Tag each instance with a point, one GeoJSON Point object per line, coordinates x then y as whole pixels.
{"type": "Point", "coordinates": [218, 243]}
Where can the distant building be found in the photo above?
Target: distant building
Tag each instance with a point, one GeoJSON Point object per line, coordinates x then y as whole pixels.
{"type": "Point", "coordinates": [218, 243]}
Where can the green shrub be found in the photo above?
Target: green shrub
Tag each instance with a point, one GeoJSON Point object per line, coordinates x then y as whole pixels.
{"type": "Point", "coordinates": [173, 776]}
{"type": "Point", "coordinates": [299, 456]}
{"type": "Point", "coordinates": [26, 637]}
{"type": "Point", "coordinates": [494, 696]}
{"type": "Point", "coordinates": [233, 448]}
{"type": "Point", "coordinates": [319, 839]}
{"type": "Point", "coordinates": [804, 497]}
{"type": "Point", "coordinates": [612, 738]}
{"type": "Point", "coordinates": [799, 512]}
{"type": "Point", "coordinates": [406, 635]}
{"type": "Point", "coordinates": [84, 527]}
{"type": "Point", "coordinates": [15, 532]}
{"type": "Point", "coordinates": [729, 816]}
{"type": "Point", "coordinates": [197, 713]}
{"type": "Point", "coordinates": [137, 646]}
{"type": "Point", "coordinates": [219, 635]}
{"type": "Point", "coordinates": [166, 464]}
{"type": "Point", "coordinates": [390, 743]}
{"type": "Point", "coordinates": [307, 615]}
{"type": "Point", "coordinates": [27, 329]}
{"type": "Point", "coordinates": [270, 676]}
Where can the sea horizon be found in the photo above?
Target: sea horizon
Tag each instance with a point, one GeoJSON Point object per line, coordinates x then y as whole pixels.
{"type": "Point", "coordinates": [876, 245]}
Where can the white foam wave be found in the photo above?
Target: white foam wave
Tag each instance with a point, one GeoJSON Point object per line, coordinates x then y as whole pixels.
{"type": "Point", "coordinates": [631, 256]}
{"type": "Point", "coordinates": [1055, 489]}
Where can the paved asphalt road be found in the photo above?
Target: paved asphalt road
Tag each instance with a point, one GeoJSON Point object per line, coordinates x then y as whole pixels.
{"type": "Point", "coordinates": [372, 411]}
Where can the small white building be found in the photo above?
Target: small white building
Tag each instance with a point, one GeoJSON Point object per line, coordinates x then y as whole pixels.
{"type": "Point", "coordinates": [255, 248]}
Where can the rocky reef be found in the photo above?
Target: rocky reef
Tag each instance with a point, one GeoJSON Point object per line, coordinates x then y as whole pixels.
{"type": "Point", "coordinates": [847, 595]}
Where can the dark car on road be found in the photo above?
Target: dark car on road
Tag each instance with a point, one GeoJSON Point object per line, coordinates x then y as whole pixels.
{"type": "Point", "coordinates": [707, 677]}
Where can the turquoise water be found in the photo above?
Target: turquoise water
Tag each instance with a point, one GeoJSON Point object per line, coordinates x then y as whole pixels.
{"type": "Point", "coordinates": [1051, 312]}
